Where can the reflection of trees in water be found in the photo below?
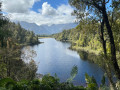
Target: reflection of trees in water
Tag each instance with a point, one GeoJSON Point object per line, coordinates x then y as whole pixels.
{"type": "Point", "coordinates": [83, 55]}
{"type": "Point", "coordinates": [90, 57]}
{"type": "Point", "coordinates": [28, 54]}
{"type": "Point", "coordinates": [11, 65]}
{"type": "Point", "coordinates": [103, 62]}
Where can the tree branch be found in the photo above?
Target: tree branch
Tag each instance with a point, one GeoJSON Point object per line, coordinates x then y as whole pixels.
{"type": "Point", "coordinates": [107, 1]}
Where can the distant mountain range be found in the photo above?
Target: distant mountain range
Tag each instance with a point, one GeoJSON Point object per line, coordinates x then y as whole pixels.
{"type": "Point", "coordinates": [45, 29]}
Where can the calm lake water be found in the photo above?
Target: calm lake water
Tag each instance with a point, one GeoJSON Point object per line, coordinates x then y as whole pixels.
{"type": "Point", "coordinates": [54, 57]}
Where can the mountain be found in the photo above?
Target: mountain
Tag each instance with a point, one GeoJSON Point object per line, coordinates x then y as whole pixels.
{"type": "Point", "coordinates": [45, 29]}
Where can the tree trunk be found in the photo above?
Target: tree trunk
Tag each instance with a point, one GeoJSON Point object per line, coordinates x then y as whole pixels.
{"type": "Point", "coordinates": [105, 64]}
{"type": "Point", "coordinates": [102, 38]}
{"type": "Point", "coordinates": [8, 68]}
{"type": "Point", "coordinates": [112, 44]}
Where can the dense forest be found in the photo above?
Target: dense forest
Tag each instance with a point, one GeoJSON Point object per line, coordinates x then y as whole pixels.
{"type": "Point", "coordinates": [98, 34]}
{"type": "Point", "coordinates": [86, 40]}
{"type": "Point", "coordinates": [87, 36]}
{"type": "Point", "coordinates": [14, 33]}
{"type": "Point", "coordinates": [12, 38]}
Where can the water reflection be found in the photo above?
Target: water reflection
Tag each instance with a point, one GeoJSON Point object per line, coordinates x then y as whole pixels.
{"type": "Point", "coordinates": [55, 57]}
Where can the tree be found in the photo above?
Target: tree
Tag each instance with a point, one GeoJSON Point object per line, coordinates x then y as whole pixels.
{"type": "Point", "coordinates": [94, 6]}
{"type": "Point", "coordinates": [4, 33]}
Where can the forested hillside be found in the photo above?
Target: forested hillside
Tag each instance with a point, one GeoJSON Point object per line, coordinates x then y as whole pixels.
{"type": "Point", "coordinates": [97, 36]}
{"type": "Point", "coordinates": [87, 36]}
{"type": "Point", "coordinates": [14, 33]}
{"type": "Point", "coordinates": [12, 38]}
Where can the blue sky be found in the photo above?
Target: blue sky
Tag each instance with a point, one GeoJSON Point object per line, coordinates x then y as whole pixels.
{"type": "Point", "coordinates": [39, 11]}
{"type": "Point", "coordinates": [53, 3]}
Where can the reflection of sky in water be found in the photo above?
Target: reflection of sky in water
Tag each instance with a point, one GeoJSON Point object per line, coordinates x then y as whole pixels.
{"type": "Point", "coordinates": [55, 57]}
{"type": "Point", "coordinates": [72, 53]}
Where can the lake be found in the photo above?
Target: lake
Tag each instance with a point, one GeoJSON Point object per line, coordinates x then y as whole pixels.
{"type": "Point", "coordinates": [54, 57]}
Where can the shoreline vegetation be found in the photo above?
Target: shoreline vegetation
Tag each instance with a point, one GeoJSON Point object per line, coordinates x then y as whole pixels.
{"type": "Point", "coordinates": [47, 82]}
{"type": "Point", "coordinates": [87, 37]}
{"type": "Point", "coordinates": [85, 49]}
{"type": "Point", "coordinates": [89, 42]}
{"type": "Point", "coordinates": [30, 73]}
{"type": "Point", "coordinates": [30, 44]}
{"type": "Point", "coordinates": [98, 34]}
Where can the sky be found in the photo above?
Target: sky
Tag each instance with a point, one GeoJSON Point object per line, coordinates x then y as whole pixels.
{"type": "Point", "coordinates": [39, 11]}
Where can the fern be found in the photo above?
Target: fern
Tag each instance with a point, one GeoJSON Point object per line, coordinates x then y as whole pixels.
{"type": "Point", "coordinates": [73, 74]}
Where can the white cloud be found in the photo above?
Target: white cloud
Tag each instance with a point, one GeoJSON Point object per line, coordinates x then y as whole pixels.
{"type": "Point", "coordinates": [47, 9]}
{"type": "Point", "coordinates": [65, 9]}
{"type": "Point", "coordinates": [18, 6]}
{"type": "Point", "coordinates": [20, 11]}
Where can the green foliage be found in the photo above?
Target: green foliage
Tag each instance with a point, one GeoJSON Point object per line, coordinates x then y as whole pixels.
{"type": "Point", "coordinates": [48, 83]}
{"type": "Point", "coordinates": [91, 82]}
{"type": "Point", "coordinates": [11, 33]}
{"type": "Point", "coordinates": [12, 38]}
{"type": "Point", "coordinates": [73, 74]}
{"type": "Point", "coordinates": [84, 35]}
{"type": "Point", "coordinates": [8, 83]}
{"type": "Point", "coordinates": [21, 35]}
{"type": "Point", "coordinates": [14, 67]}
{"type": "Point", "coordinates": [103, 80]}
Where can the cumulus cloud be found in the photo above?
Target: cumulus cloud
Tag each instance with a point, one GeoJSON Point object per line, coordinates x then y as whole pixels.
{"type": "Point", "coordinates": [47, 9]}
{"type": "Point", "coordinates": [65, 9]}
{"type": "Point", "coordinates": [19, 10]}
{"type": "Point", "coordinates": [18, 6]}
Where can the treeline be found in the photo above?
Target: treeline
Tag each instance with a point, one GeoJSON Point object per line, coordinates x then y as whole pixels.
{"type": "Point", "coordinates": [21, 35]}
{"type": "Point", "coordinates": [98, 33]}
{"type": "Point", "coordinates": [84, 35]}
{"type": "Point", "coordinates": [14, 33]}
{"type": "Point", "coordinates": [87, 36]}
{"type": "Point", "coordinates": [107, 14]}
{"type": "Point", "coordinates": [12, 38]}
{"type": "Point", "coordinates": [11, 64]}
{"type": "Point", "coordinates": [44, 35]}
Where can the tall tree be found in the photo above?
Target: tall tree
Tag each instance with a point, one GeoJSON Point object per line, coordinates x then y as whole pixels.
{"type": "Point", "coordinates": [3, 32]}
{"type": "Point", "coordinates": [100, 6]}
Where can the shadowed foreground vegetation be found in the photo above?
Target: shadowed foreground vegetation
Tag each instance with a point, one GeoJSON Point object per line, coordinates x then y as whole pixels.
{"type": "Point", "coordinates": [99, 34]}
{"type": "Point", "coordinates": [52, 83]}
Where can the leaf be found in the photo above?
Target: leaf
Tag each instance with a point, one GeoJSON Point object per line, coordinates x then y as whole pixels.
{"type": "Point", "coordinates": [73, 74]}
{"type": "Point", "coordinates": [2, 88]}
{"type": "Point", "coordinates": [92, 86]}
{"type": "Point", "coordinates": [6, 81]}
{"type": "Point", "coordinates": [10, 85]}
{"type": "Point", "coordinates": [87, 78]}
